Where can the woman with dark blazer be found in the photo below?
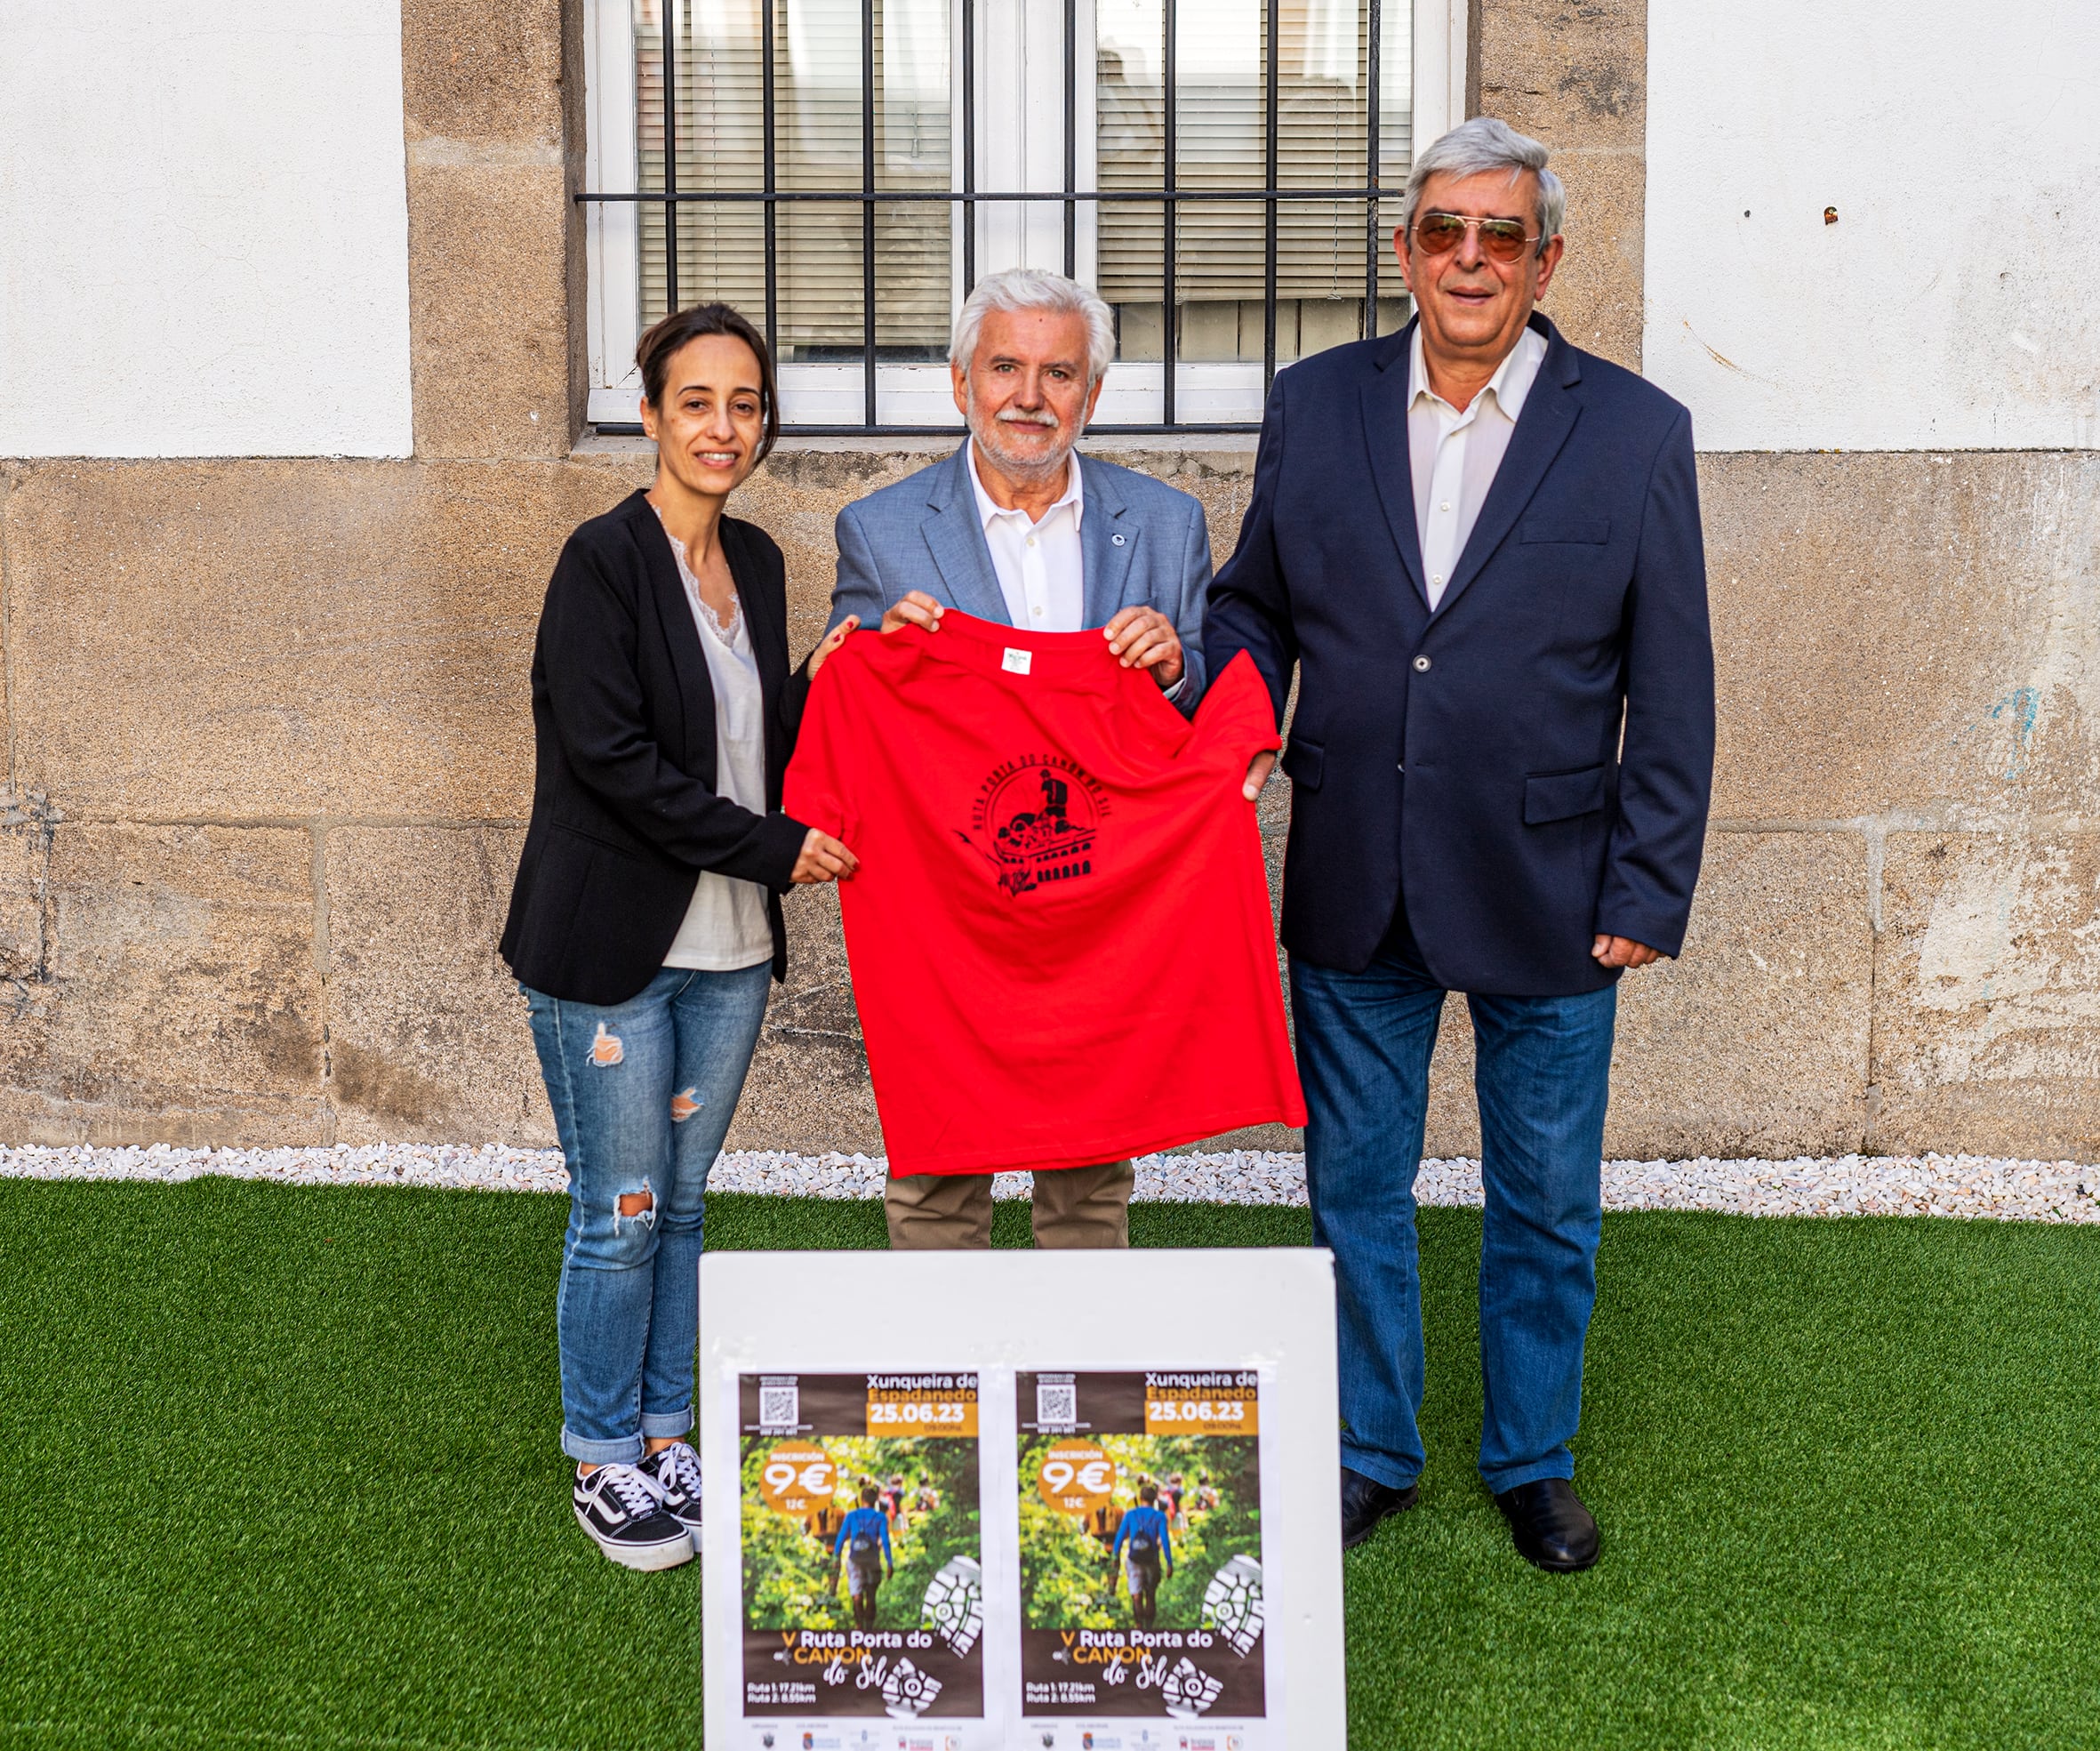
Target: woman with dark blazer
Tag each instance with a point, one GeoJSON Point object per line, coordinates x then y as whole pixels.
{"type": "Point", "coordinates": [645, 922]}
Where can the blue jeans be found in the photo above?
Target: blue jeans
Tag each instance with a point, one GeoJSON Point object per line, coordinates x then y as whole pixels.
{"type": "Point", "coordinates": [1542, 1075]}
{"type": "Point", "coordinates": [643, 1093]}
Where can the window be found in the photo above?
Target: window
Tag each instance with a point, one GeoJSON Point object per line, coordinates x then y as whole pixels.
{"type": "Point", "coordinates": [1226, 172]}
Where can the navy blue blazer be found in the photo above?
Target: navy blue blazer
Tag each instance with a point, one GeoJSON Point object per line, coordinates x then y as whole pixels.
{"type": "Point", "coordinates": [1471, 759]}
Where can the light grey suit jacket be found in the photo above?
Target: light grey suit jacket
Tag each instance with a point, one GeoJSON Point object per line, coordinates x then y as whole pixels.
{"type": "Point", "coordinates": [1143, 543]}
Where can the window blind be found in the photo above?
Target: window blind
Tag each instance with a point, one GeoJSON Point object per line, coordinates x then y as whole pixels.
{"type": "Point", "coordinates": [716, 58]}
{"type": "Point", "coordinates": [1221, 124]}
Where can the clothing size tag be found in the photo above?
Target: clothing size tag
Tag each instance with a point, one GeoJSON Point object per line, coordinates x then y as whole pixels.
{"type": "Point", "coordinates": [1017, 662]}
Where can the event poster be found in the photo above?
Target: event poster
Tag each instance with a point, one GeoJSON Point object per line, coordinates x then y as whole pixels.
{"type": "Point", "coordinates": [1141, 1558]}
{"type": "Point", "coordinates": [863, 1583]}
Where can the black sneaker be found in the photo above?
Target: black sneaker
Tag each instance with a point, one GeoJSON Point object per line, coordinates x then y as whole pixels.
{"type": "Point", "coordinates": [674, 1471]}
{"type": "Point", "coordinates": [620, 1509]}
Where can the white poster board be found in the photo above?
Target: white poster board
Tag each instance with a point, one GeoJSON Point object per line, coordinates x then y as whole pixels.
{"type": "Point", "coordinates": [1009, 1410]}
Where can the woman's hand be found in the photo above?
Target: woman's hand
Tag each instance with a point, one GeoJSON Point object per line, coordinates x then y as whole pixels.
{"type": "Point", "coordinates": [832, 641]}
{"type": "Point", "coordinates": [824, 859]}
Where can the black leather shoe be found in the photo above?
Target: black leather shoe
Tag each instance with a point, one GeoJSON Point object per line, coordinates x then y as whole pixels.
{"type": "Point", "coordinates": [1366, 1501]}
{"type": "Point", "coordinates": [1551, 1526]}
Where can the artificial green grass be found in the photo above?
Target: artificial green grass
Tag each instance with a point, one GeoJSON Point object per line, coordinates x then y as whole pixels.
{"type": "Point", "coordinates": [279, 1468]}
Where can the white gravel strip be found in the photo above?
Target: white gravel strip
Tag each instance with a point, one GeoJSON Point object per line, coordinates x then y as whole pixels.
{"type": "Point", "coordinates": [1958, 1186]}
{"type": "Point", "coordinates": [492, 1167]}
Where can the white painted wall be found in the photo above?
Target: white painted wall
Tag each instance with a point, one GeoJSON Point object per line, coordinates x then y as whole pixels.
{"type": "Point", "coordinates": [1956, 303]}
{"type": "Point", "coordinates": [204, 229]}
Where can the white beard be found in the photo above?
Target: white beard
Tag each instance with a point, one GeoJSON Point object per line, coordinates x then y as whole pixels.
{"type": "Point", "coordinates": [1029, 471]}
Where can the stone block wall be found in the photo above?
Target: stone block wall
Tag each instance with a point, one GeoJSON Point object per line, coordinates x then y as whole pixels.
{"type": "Point", "coordinates": [269, 752]}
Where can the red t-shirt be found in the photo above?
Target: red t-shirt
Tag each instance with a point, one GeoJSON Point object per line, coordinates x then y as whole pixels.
{"type": "Point", "coordinates": [1060, 934]}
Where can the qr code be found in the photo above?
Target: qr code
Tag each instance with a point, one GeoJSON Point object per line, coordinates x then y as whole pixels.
{"type": "Point", "coordinates": [779, 1408]}
{"type": "Point", "coordinates": [1056, 1406]}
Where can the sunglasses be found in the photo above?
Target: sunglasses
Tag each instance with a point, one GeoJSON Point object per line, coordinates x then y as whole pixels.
{"type": "Point", "coordinates": [1501, 239]}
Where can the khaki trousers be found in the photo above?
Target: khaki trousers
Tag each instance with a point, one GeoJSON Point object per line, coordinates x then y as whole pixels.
{"type": "Point", "coordinates": [1074, 1206]}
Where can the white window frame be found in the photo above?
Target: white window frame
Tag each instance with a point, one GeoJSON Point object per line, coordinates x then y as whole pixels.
{"type": "Point", "coordinates": [1030, 143]}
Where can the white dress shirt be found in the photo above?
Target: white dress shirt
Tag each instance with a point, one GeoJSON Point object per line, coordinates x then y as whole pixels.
{"type": "Point", "coordinates": [1453, 456]}
{"type": "Point", "coordinates": [1041, 570]}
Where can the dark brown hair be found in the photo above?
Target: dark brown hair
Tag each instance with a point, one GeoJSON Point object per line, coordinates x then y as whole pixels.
{"type": "Point", "coordinates": [660, 344]}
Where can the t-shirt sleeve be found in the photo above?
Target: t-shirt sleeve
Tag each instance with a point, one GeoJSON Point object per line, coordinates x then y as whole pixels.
{"type": "Point", "coordinates": [1234, 717]}
{"type": "Point", "coordinates": [818, 789]}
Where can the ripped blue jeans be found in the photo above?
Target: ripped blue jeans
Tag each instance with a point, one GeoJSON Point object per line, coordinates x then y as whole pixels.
{"type": "Point", "coordinates": [643, 1093]}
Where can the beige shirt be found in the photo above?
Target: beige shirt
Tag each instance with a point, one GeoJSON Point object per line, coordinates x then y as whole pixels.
{"type": "Point", "coordinates": [1453, 456]}
{"type": "Point", "coordinates": [725, 928]}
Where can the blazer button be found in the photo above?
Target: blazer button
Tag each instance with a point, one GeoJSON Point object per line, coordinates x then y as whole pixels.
{"type": "Point", "coordinates": [1422, 665]}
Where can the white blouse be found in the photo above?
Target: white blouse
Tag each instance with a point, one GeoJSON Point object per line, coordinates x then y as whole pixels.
{"type": "Point", "coordinates": [725, 928]}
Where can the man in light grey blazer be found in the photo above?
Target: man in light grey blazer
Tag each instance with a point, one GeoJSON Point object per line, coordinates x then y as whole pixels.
{"type": "Point", "coordinates": [1017, 528]}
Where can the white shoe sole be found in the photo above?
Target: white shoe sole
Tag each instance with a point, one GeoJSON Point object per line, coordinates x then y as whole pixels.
{"type": "Point", "coordinates": [647, 1558]}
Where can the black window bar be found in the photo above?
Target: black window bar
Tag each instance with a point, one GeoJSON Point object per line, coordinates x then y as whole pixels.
{"type": "Point", "coordinates": [1168, 197]}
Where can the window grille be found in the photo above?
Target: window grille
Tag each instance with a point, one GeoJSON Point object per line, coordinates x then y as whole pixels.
{"type": "Point", "coordinates": [1231, 175]}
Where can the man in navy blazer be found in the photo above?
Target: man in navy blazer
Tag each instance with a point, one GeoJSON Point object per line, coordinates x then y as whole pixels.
{"type": "Point", "coordinates": [1018, 528]}
{"type": "Point", "coordinates": [1479, 548]}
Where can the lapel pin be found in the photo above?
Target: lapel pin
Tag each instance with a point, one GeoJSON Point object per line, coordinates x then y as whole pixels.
{"type": "Point", "coordinates": [1116, 541]}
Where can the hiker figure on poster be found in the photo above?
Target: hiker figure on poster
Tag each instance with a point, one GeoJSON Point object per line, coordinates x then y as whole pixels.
{"type": "Point", "coordinates": [1144, 1544]}
{"type": "Point", "coordinates": [861, 1557]}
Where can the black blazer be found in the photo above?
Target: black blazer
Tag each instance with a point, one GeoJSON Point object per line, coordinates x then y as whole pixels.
{"type": "Point", "coordinates": [1472, 758]}
{"type": "Point", "coordinates": [624, 811]}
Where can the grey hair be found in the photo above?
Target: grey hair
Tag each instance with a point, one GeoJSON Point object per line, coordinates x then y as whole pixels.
{"type": "Point", "coordinates": [1486, 144]}
{"type": "Point", "coordinates": [1036, 289]}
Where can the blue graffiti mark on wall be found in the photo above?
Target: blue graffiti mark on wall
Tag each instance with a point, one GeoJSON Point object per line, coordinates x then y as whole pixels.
{"type": "Point", "coordinates": [2025, 705]}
